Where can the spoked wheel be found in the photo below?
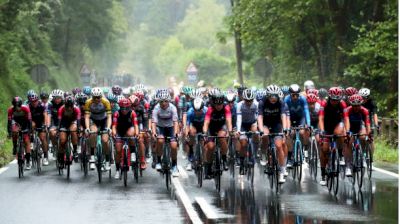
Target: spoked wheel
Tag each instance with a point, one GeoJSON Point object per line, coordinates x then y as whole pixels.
{"type": "Point", "coordinates": [299, 167]}
{"type": "Point", "coordinates": [199, 172]}
{"type": "Point", "coordinates": [135, 170]}
{"type": "Point", "coordinates": [361, 168]}
{"type": "Point", "coordinates": [167, 174]}
{"type": "Point", "coordinates": [314, 149]}
{"type": "Point", "coordinates": [369, 160]}
{"type": "Point", "coordinates": [336, 172]}
{"type": "Point", "coordinates": [99, 164]}
{"type": "Point", "coordinates": [125, 174]}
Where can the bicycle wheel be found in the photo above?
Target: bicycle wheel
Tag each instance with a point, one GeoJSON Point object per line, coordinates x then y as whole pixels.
{"type": "Point", "coordinates": [231, 158]}
{"type": "Point", "coordinates": [330, 171]}
{"type": "Point", "coordinates": [336, 166]}
{"type": "Point", "coordinates": [167, 174]}
{"type": "Point", "coordinates": [361, 168]}
{"type": "Point", "coordinates": [135, 169]}
{"type": "Point", "coordinates": [299, 167]}
{"type": "Point", "coordinates": [314, 147]}
{"type": "Point", "coordinates": [276, 172]}
{"type": "Point", "coordinates": [368, 159]}
{"type": "Point", "coordinates": [354, 168]}
{"type": "Point", "coordinates": [199, 165]}
{"type": "Point", "coordinates": [270, 168]}
{"type": "Point", "coordinates": [217, 171]}
{"type": "Point", "coordinates": [99, 165]}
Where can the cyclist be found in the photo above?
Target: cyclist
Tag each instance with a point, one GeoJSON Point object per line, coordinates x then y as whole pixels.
{"type": "Point", "coordinates": [299, 116]}
{"type": "Point", "coordinates": [165, 124]}
{"type": "Point", "coordinates": [272, 117]}
{"type": "Point", "coordinates": [331, 121]}
{"type": "Point", "coordinates": [358, 122]}
{"type": "Point", "coordinates": [75, 91]}
{"type": "Point", "coordinates": [314, 108]}
{"type": "Point", "coordinates": [322, 94]}
{"type": "Point", "coordinates": [349, 91]}
{"type": "Point", "coordinates": [69, 117]}
{"type": "Point", "coordinates": [20, 119]}
{"type": "Point", "coordinates": [98, 117]}
{"type": "Point", "coordinates": [285, 90]}
{"type": "Point", "coordinates": [371, 106]}
{"type": "Point", "coordinates": [218, 120]}
{"type": "Point", "coordinates": [194, 125]}
{"type": "Point", "coordinates": [140, 113]}
{"type": "Point", "coordinates": [56, 103]}
{"type": "Point", "coordinates": [113, 102]}
{"type": "Point", "coordinates": [307, 86]}
{"type": "Point", "coordinates": [87, 90]}
{"type": "Point", "coordinates": [44, 98]}
{"type": "Point", "coordinates": [125, 125]}
{"type": "Point", "coordinates": [39, 120]}
{"type": "Point", "coordinates": [116, 90]}
{"type": "Point", "coordinates": [247, 111]}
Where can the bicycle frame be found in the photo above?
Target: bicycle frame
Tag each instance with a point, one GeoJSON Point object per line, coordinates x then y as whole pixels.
{"type": "Point", "coordinates": [298, 153]}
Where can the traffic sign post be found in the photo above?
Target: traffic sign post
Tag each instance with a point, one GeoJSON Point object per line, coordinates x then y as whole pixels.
{"type": "Point", "coordinates": [192, 73]}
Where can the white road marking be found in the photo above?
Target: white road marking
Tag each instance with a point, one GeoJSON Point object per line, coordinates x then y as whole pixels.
{"type": "Point", "coordinates": [385, 172]}
{"type": "Point", "coordinates": [194, 217]}
{"type": "Point", "coordinates": [208, 211]}
{"type": "Point", "coordinates": [182, 172]}
{"type": "Point", "coordinates": [3, 169]}
{"type": "Point", "coordinates": [13, 162]}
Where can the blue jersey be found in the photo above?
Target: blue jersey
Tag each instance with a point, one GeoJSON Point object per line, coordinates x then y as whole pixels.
{"type": "Point", "coordinates": [298, 109]}
{"type": "Point", "coordinates": [194, 119]}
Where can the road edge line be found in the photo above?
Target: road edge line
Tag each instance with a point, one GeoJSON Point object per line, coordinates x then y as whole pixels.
{"type": "Point", "coordinates": [183, 172]}
{"type": "Point", "coordinates": [184, 198]}
{"type": "Point", "coordinates": [385, 172]}
{"type": "Point", "coordinates": [206, 208]}
{"type": "Point", "coordinates": [3, 169]}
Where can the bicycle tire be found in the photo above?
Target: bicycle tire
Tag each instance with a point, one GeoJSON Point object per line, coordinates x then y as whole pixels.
{"type": "Point", "coordinates": [217, 170]}
{"type": "Point", "coordinates": [199, 165]}
{"type": "Point", "coordinates": [369, 160]}
{"type": "Point", "coordinates": [231, 159]}
{"type": "Point", "coordinates": [354, 166]}
{"type": "Point", "coordinates": [99, 165]}
{"type": "Point", "coordinates": [39, 158]}
{"type": "Point", "coordinates": [360, 173]}
{"type": "Point", "coordinates": [125, 174]}
{"type": "Point", "coordinates": [336, 173]}
{"type": "Point", "coordinates": [315, 157]}
{"type": "Point", "coordinates": [68, 170]}
{"type": "Point", "coordinates": [200, 175]}
{"type": "Point", "coordinates": [276, 172]}
{"type": "Point", "coordinates": [135, 171]}
{"type": "Point", "coordinates": [299, 167]}
{"type": "Point", "coordinates": [270, 168]}
{"type": "Point", "coordinates": [167, 178]}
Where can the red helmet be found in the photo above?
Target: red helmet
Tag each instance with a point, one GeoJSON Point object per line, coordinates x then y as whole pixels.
{"type": "Point", "coordinates": [351, 91]}
{"type": "Point", "coordinates": [335, 93]}
{"type": "Point", "coordinates": [356, 100]}
{"type": "Point", "coordinates": [124, 103]}
{"type": "Point", "coordinates": [312, 98]}
{"type": "Point", "coordinates": [134, 100]}
{"type": "Point", "coordinates": [139, 94]}
{"type": "Point", "coordinates": [312, 91]}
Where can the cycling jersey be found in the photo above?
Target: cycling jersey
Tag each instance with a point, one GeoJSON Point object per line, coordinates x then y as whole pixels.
{"type": "Point", "coordinates": [22, 117]}
{"type": "Point", "coordinates": [68, 115]}
{"type": "Point", "coordinates": [372, 109]}
{"type": "Point", "coordinates": [197, 120]}
{"type": "Point", "coordinates": [115, 108]}
{"type": "Point", "coordinates": [141, 115]}
{"type": "Point", "coordinates": [357, 119]}
{"type": "Point", "coordinates": [97, 111]}
{"type": "Point", "coordinates": [181, 106]}
{"type": "Point", "coordinates": [234, 114]}
{"type": "Point", "coordinates": [37, 114]}
{"type": "Point", "coordinates": [52, 110]}
{"type": "Point", "coordinates": [333, 114]}
{"type": "Point", "coordinates": [298, 110]}
{"type": "Point", "coordinates": [246, 115]}
{"type": "Point", "coordinates": [165, 118]}
{"type": "Point", "coordinates": [152, 105]}
{"type": "Point", "coordinates": [124, 122]}
{"type": "Point", "coordinates": [217, 118]}
{"type": "Point", "coordinates": [314, 115]}
{"type": "Point", "coordinates": [272, 113]}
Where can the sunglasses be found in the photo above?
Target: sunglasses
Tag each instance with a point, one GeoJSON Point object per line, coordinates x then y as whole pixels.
{"type": "Point", "coordinates": [96, 97]}
{"type": "Point", "coordinates": [295, 95]}
{"type": "Point", "coordinates": [124, 108]}
{"type": "Point", "coordinates": [274, 96]}
{"type": "Point", "coordinates": [248, 101]}
{"type": "Point", "coordinates": [163, 101]}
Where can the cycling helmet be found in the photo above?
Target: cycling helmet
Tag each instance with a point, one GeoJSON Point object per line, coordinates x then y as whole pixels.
{"type": "Point", "coordinates": [106, 90]}
{"type": "Point", "coordinates": [196, 94]}
{"type": "Point", "coordinates": [322, 93]}
{"type": "Point", "coordinates": [112, 98]}
{"type": "Point", "coordinates": [44, 95]}
{"type": "Point", "coordinates": [97, 92]}
{"type": "Point", "coordinates": [272, 90]}
{"type": "Point", "coordinates": [364, 92]}
{"type": "Point", "coordinates": [285, 90]}
{"type": "Point", "coordinates": [351, 91]}
{"type": "Point", "coordinates": [356, 100]}
{"type": "Point", "coordinates": [81, 98]}
{"type": "Point", "coordinates": [312, 98]}
{"type": "Point", "coordinates": [76, 91]}
{"type": "Point", "coordinates": [164, 95]}
{"type": "Point", "coordinates": [134, 100]}
{"type": "Point", "coordinates": [17, 101]}
{"type": "Point", "coordinates": [117, 90]}
{"type": "Point", "coordinates": [57, 93]}
{"type": "Point", "coordinates": [120, 97]}
{"type": "Point", "coordinates": [69, 101]}
{"type": "Point", "coordinates": [248, 94]}
{"type": "Point", "coordinates": [218, 99]}
{"type": "Point", "coordinates": [281, 95]}
{"type": "Point", "coordinates": [140, 87]}
{"type": "Point", "coordinates": [124, 103]}
{"type": "Point", "coordinates": [198, 104]}
{"type": "Point", "coordinates": [294, 88]}
{"type": "Point", "coordinates": [139, 94]}
{"type": "Point", "coordinates": [214, 92]}
{"type": "Point", "coordinates": [312, 91]}
{"type": "Point", "coordinates": [240, 90]}
{"type": "Point", "coordinates": [260, 94]}
{"type": "Point", "coordinates": [87, 90]}
{"type": "Point", "coordinates": [67, 94]}
{"type": "Point", "coordinates": [33, 97]}
{"type": "Point", "coordinates": [230, 97]}
{"type": "Point", "coordinates": [30, 93]}
{"type": "Point", "coordinates": [335, 93]}
{"type": "Point", "coordinates": [309, 85]}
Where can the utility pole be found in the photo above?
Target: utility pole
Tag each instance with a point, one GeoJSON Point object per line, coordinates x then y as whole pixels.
{"type": "Point", "coordinates": [238, 46]}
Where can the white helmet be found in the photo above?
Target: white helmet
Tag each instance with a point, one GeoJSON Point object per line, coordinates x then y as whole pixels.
{"type": "Point", "coordinates": [294, 88]}
{"type": "Point", "coordinates": [273, 90]}
{"type": "Point", "coordinates": [308, 85]}
{"type": "Point", "coordinates": [196, 94]}
{"type": "Point", "coordinates": [198, 104]}
{"type": "Point", "coordinates": [248, 94]}
{"type": "Point", "coordinates": [140, 87]}
{"type": "Point", "coordinates": [96, 92]}
{"type": "Point", "coordinates": [230, 97]}
{"type": "Point", "coordinates": [57, 93]}
{"type": "Point", "coordinates": [164, 95]}
{"type": "Point", "coordinates": [364, 92]}
{"type": "Point", "coordinates": [120, 97]}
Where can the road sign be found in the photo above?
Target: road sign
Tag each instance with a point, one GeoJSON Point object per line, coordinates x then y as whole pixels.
{"type": "Point", "coordinates": [85, 70]}
{"type": "Point", "coordinates": [192, 72]}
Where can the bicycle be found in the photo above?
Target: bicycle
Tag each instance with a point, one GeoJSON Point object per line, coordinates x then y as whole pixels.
{"type": "Point", "coordinates": [313, 154]}
{"type": "Point", "coordinates": [358, 168]}
{"type": "Point", "coordinates": [128, 159]}
{"type": "Point", "coordinates": [250, 158]}
{"type": "Point", "coordinates": [272, 166]}
{"type": "Point", "coordinates": [67, 160]}
{"type": "Point", "coordinates": [198, 159]}
{"type": "Point", "coordinates": [21, 152]}
{"type": "Point", "coordinates": [100, 160]}
{"type": "Point", "coordinates": [37, 151]}
{"type": "Point", "coordinates": [333, 167]}
{"type": "Point", "coordinates": [166, 162]}
{"type": "Point", "coordinates": [232, 157]}
{"type": "Point", "coordinates": [84, 155]}
{"type": "Point", "coordinates": [298, 154]}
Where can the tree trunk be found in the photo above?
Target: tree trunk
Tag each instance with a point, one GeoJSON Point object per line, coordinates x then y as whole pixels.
{"type": "Point", "coordinates": [238, 45]}
{"type": "Point", "coordinates": [66, 48]}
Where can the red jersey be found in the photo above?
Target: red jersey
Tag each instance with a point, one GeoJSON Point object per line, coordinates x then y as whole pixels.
{"type": "Point", "coordinates": [69, 115]}
{"type": "Point", "coordinates": [24, 115]}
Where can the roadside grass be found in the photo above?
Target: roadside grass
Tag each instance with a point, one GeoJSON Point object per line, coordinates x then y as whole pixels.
{"type": "Point", "coordinates": [385, 152]}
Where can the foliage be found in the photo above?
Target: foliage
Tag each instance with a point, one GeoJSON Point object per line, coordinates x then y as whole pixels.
{"type": "Point", "coordinates": [385, 152]}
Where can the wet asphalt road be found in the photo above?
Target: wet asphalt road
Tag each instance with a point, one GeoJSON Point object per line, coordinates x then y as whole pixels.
{"type": "Point", "coordinates": [50, 198]}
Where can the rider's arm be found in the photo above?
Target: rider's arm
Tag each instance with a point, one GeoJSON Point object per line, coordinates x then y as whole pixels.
{"type": "Point", "coordinates": [306, 111]}
{"type": "Point", "coordinates": [86, 108]}
{"type": "Point", "coordinates": [175, 119]}
{"type": "Point", "coordinates": [78, 117]}
{"type": "Point", "coordinates": [321, 117]}
{"type": "Point", "coordinates": [367, 122]}
{"type": "Point", "coordinates": [285, 116]}
{"type": "Point", "coordinates": [9, 122]}
{"type": "Point", "coordinates": [59, 115]}
{"type": "Point", "coordinates": [228, 116]}
{"type": "Point", "coordinates": [115, 123]}
{"type": "Point", "coordinates": [135, 123]}
{"type": "Point", "coordinates": [346, 121]}
{"type": "Point", "coordinates": [239, 116]}
{"type": "Point", "coordinates": [207, 120]}
{"type": "Point", "coordinates": [260, 118]}
{"type": "Point", "coordinates": [29, 117]}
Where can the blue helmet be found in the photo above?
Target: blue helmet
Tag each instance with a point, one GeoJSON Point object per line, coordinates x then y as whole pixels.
{"type": "Point", "coordinates": [87, 90]}
{"type": "Point", "coordinates": [285, 90]}
{"type": "Point", "coordinates": [112, 98]}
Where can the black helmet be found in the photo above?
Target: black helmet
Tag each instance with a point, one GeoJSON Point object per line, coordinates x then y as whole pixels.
{"type": "Point", "coordinates": [69, 101]}
{"type": "Point", "coordinates": [44, 95]}
{"type": "Point", "coordinates": [17, 101]}
{"type": "Point", "coordinates": [218, 99]}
